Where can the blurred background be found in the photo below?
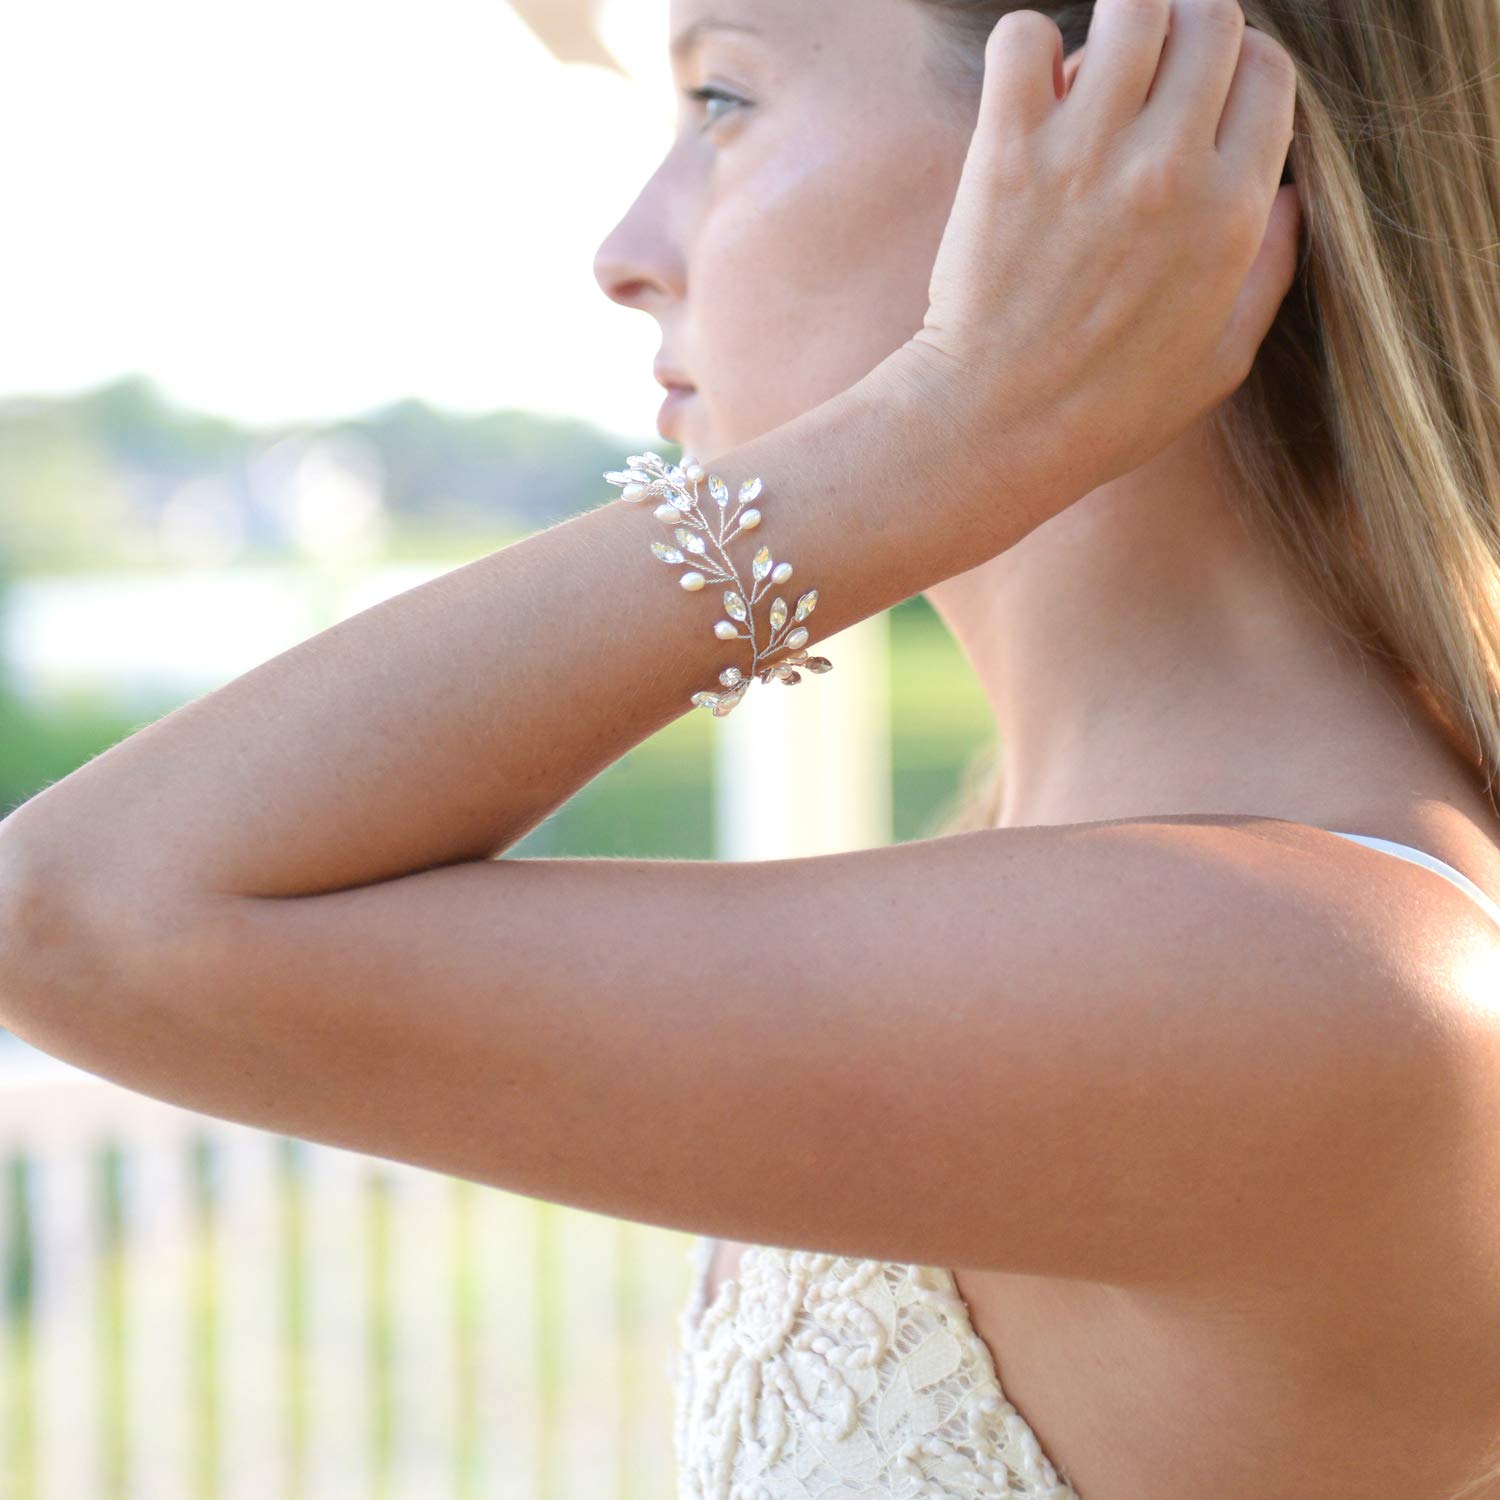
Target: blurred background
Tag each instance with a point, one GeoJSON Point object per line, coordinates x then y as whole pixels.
{"type": "Point", "coordinates": [298, 311]}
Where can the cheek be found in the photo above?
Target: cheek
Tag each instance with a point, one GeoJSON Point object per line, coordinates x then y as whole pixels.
{"type": "Point", "coordinates": [808, 269]}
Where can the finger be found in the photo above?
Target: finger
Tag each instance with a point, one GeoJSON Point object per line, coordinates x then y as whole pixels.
{"type": "Point", "coordinates": [1197, 67]}
{"type": "Point", "coordinates": [1269, 279]}
{"type": "Point", "coordinates": [1113, 81]}
{"type": "Point", "coordinates": [1022, 68]}
{"type": "Point", "coordinates": [1255, 130]}
{"type": "Point", "coordinates": [1070, 69]}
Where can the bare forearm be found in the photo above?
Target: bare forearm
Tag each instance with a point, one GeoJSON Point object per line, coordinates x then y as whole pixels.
{"type": "Point", "coordinates": [441, 725]}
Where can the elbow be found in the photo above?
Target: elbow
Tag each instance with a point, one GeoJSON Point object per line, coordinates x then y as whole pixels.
{"type": "Point", "coordinates": [36, 932]}
{"type": "Point", "coordinates": [26, 915]}
{"type": "Point", "coordinates": [74, 982]}
{"type": "Point", "coordinates": [62, 950]}
{"type": "Point", "coordinates": [108, 971]}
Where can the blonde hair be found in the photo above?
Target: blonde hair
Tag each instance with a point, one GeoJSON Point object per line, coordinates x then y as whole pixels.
{"type": "Point", "coordinates": [1366, 442]}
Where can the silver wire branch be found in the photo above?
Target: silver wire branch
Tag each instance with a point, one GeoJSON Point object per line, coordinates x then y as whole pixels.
{"type": "Point", "coordinates": [677, 487]}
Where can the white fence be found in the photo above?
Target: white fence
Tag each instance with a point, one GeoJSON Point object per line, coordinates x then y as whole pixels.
{"type": "Point", "coordinates": [195, 1310]}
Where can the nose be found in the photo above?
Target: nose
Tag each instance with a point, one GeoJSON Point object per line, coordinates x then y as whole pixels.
{"type": "Point", "coordinates": [638, 263]}
{"type": "Point", "coordinates": [618, 275]}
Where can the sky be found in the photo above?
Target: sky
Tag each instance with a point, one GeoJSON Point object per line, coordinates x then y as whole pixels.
{"type": "Point", "coordinates": [292, 210]}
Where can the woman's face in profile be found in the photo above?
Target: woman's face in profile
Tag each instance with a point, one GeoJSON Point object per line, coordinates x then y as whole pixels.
{"type": "Point", "coordinates": [785, 242]}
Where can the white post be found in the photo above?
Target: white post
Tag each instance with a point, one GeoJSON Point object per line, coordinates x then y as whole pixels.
{"type": "Point", "coordinates": [66, 1248]}
{"type": "Point", "coordinates": [160, 1253]}
{"type": "Point", "coordinates": [336, 1282]}
{"type": "Point", "coordinates": [423, 1368]}
{"type": "Point", "coordinates": [508, 1335]}
{"type": "Point", "coordinates": [806, 768]}
{"type": "Point", "coordinates": [254, 1400]}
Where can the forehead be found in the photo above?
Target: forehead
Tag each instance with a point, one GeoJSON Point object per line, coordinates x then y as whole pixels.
{"type": "Point", "coordinates": [780, 25]}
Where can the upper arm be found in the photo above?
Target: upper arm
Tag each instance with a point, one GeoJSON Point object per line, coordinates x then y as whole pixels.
{"type": "Point", "coordinates": [1133, 1052]}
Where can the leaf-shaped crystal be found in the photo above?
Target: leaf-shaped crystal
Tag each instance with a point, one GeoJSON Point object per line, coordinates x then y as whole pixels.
{"type": "Point", "coordinates": [778, 613]}
{"type": "Point", "coordinates": [734, 605]}
{"type": "Point", "coordinates": [718, 489]}
{"type": "Point", "coordinates": [762, 563]}
{"type": "Point", "coordinates": [705, 700]}
{"type": "Point", "coordinates": [750, 490]}
{"type": "Point", "coordinates": [818, 664]}
{"type": "Point", "coordinates": [666, 553]}
{"type": "Point", "coordinates": [807, 604]}
{"type": "Point", "coordinates": [617, 476]}
{"type": "Point", "coordinates": [689, 539]}
{"type": "Point", "coordinates": [728, 700]}
{"type": "Point", "coordinates": [731, 675]}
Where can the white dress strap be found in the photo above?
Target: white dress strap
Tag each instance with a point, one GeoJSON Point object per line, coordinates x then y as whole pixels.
{"type": "Point", "coordinates": [1431, 861]}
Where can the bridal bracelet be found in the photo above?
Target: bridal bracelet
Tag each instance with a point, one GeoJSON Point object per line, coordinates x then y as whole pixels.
{"type": "Point", "coordinates": [650, 475]}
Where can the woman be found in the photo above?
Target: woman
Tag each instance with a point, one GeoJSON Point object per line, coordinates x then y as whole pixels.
{"type": "Point", "coordinates": [1163, 1088]}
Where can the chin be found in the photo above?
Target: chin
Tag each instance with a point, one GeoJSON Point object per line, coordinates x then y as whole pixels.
{"type": "Point", "coordinates": [683, 436]}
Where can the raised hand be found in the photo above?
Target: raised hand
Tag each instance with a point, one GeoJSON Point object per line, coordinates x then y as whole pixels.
{"type": "Point", "coordinates": [1118, 247]}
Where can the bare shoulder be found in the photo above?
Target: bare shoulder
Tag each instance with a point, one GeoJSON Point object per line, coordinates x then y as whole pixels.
{"type": "Point", "coordinates": [1404, 898]}
{"type": "Point", "coordinates": [1148, 1051]}
{"type": "Point", "coordinates": [1243, 905]}
{"type": "Point", "coordinates": [1437, 941]}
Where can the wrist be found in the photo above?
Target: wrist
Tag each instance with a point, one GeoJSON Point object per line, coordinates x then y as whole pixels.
{"type": "Point", "coordinates": [976, 446]}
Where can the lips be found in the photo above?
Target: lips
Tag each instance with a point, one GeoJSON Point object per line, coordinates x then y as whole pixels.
{"type": "Point", "coordinates": [671, 377]}
{"type": "Point", "coordinates": [677, 398]}
{"type": "Point", "coordinates": [680, 390]}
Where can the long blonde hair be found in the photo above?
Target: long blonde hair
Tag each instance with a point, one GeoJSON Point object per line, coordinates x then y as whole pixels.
{"type": "Point", "coordinates": [1366, 441]}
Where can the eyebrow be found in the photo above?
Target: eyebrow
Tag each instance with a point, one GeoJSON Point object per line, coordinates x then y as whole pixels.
{"type": "Point", "coordinates": [689, 37]}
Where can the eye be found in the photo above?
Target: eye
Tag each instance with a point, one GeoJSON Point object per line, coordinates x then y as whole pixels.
{"type": "Point", "coordinates": [707, 94]}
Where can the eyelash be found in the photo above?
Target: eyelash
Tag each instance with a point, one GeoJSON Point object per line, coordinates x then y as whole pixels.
{"type": "Point", "coordinates": [706, 93]}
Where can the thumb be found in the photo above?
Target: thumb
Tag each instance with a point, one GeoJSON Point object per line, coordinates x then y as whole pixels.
{"type": "Point", "coordinates": [1269, 279]}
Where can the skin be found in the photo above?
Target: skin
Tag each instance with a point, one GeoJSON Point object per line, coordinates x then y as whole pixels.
{"type": "Point", "coordinates": [1207, 1097]}
{"type": "Point", "coordinates": [1141, 653]}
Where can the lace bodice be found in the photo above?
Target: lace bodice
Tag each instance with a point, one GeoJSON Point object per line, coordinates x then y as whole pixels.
{"type": "Point", "coordinates": [817, 1377]}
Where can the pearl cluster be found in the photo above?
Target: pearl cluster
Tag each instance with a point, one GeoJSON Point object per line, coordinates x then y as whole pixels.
{"type": "Point", "coordinates": [650, 475]}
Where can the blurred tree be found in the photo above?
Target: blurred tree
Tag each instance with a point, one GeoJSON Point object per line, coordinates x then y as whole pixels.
{"type": "Point", "coordinates": [63, 501]}
{"type": "Point", "coordinates": [85, 481]}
